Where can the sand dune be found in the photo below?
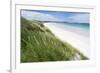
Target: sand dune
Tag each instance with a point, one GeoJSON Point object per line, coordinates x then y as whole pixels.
{"type": "Point", "coordinates": [73, 37]}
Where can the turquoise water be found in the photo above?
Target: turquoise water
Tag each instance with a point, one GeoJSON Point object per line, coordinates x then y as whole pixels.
{"type": "Point", "coordinates": [74, 26]}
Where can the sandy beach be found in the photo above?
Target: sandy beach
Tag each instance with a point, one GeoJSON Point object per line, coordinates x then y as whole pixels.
{"type": "Point", "coordinates": [73, 37]}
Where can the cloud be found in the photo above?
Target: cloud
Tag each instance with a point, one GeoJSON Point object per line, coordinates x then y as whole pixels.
{"type": "Point", "coordinates": [42, 16]}
{"type": "Point", "coordinates": [79, 18]}
{"type": "Point", "coordinates": [32, 15]}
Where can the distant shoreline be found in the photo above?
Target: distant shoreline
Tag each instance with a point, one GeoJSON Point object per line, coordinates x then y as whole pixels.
{"type": "Point", "coordinates": [73, 37]}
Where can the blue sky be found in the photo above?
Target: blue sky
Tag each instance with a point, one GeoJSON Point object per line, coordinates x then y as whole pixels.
{"type": "Point", "coordinates": [77, 17]}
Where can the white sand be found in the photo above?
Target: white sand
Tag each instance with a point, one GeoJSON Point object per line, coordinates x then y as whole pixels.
{"type": "Point", "coordinates": [72, 37]}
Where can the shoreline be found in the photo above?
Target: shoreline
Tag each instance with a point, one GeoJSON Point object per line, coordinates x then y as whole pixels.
{"type": "Point", "coordinates": [73, 37]}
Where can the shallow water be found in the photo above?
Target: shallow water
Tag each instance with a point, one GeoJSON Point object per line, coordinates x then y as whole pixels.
{"type": "Point", "coordinates": [81, 28]}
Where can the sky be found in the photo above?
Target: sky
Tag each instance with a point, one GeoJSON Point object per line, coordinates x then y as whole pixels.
{"type": "Point", "coordinates": [77, 17]}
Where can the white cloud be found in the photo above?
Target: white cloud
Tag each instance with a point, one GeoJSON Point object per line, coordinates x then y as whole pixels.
{"type": "Point", "coordinates": [81, 18]}
{"type": "Point", "coordinates": [32, 15]}
{"type": "Point", "coordinates": [37, 16]}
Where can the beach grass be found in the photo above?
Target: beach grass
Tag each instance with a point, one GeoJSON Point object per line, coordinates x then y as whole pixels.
{"type": "Point", "coordinates": [39, 44]}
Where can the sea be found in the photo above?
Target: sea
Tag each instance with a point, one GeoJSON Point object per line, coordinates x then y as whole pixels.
{"type": "Point", "coordinates": [81, 28]}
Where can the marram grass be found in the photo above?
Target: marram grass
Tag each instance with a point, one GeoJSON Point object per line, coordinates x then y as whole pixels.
{"type": "Point", "coordinates": [39, 44]}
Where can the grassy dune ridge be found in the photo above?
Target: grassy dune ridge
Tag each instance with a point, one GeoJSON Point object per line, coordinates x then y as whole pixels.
{"type": "Point", "coordinates": [39, 44]}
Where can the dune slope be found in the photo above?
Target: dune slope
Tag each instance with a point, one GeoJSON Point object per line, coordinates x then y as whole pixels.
{"type": "Point", "coordinates": [39, 44]}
